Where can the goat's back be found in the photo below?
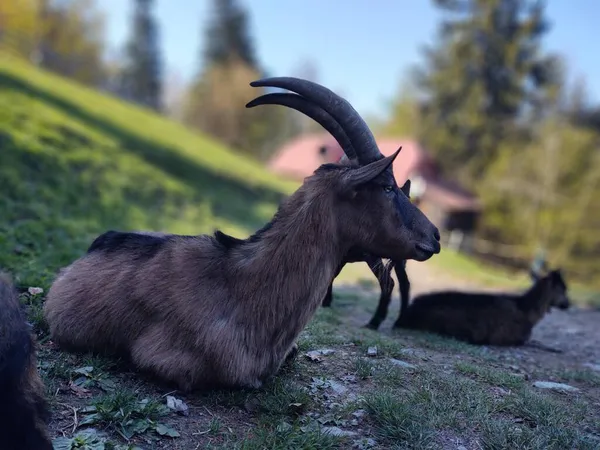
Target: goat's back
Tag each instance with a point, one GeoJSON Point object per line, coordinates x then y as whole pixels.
{"type": "Point", "coordinates": [23, 409]}
{"type": "Point", "coordinates": [123, 283]}
{"type": "Point", "coordinates": [475, 317]}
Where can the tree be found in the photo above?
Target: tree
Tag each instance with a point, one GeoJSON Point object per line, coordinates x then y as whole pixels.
{"type": "Point", "coordinates": [486, 75]}
{"type": "Point", "coordinates": [66, 36]}
{"type": "Point", "coordinates": [228, 36]}
{"type": "Point", "coordinates": [142, 76]}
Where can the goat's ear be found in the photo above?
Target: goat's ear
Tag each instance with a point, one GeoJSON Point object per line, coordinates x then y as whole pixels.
{"type": "Point", "coordinates": [371, 171]}
{"type": "Point", "coordinates": [406, 188]}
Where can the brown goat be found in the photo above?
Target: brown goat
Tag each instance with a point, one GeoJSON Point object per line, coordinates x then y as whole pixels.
{"type": "Point", "coordinates": [23, 409]}
{"type": "Point", "coordinates": [192, 311]}
{"type": "Point", "coordinates": [484, 318]}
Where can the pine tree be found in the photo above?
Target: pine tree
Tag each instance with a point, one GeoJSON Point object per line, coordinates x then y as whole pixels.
{"type": "Point", "coordinates": [228, 36]}
{"type": "Point", "coordinates": [142, 77]}
{"type": "Point", "coordinates": [486, 74]}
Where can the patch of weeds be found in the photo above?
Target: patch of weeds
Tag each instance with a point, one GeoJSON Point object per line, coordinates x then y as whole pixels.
{"type": "Point", "coordinates": [319, 333]}
{"type": "Point", "coordinates": [89, 376]}
{"type": "Point", "coordinates": [363, 367]}
{"type": "Point", "coordinates": [392, 375]}
{"type": "Point", "coordinates": [225, 397]}
{"type": "Point", "coordinates": [437, 342]}
{"type": "Point", "coordinates": [284, 436]}
{"type": "Point", "coordinates": [282, 397]}
{"type": "Point", "coordinates": [88, 439]}
{"type": "Point", "coordinates": [399, 421]}
{"type": "Point", "coordinates": [33, 303]}
{"type": "Point", "coordinates": [541, 410]}
{"type": "Point", "coordinates": [450, 401]}
{"type": "Point", "coordinates": [587, 376]}
{"type": "Point", "coordinates": [385, 347]}
{"type": "Point", "coordinates": [490, 376]}
{"type": "Point", "coordinates": [127, 415]}
{"type": "Point", "coordinates": [504, 434]}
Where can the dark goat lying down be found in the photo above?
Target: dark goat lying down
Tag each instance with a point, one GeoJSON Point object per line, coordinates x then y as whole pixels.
{"type": "Point", "coordinates": [484, 318]}
{"type": "Point", "coordinates": [192, 311]}
{"type": "Point", "coordinates": [23, 410]}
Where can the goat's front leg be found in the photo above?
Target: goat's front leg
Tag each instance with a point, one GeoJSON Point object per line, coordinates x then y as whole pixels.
{"type": "Point", "coordinates": [329, 296]}
{"type": "Point", "coordinates": [386, 283]}
{"type": "Point", "coordinates": [400, 270]}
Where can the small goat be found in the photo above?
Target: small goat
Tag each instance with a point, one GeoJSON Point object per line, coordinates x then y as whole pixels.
{"type": "Point", "coordinates": [192, 311]}
{"type": "Point", "coordinates": [24, 414]}
{"type": "Point", "coordinates": [485, 318]}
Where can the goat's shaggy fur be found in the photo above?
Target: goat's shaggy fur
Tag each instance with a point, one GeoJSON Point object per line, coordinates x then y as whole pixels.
{"type": "Point", "coordinates": [484, 318]}
{"type": "Point", "coordinates": [23, 409]}
{"type": "Point", "coordinates": [196, 312]}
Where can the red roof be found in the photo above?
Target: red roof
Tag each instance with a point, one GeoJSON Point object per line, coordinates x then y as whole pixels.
{"type": "Point", "coordinates": [301, 156]}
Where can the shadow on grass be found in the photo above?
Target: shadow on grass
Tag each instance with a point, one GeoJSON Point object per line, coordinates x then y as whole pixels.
{"type": "Point", "coordinates": [229, 198]}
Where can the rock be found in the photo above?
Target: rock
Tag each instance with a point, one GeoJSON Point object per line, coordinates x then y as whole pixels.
{"type": "Point", "coordinates": [595, 367]}
{"type": "Point", "coordinates": [315, 355]}
{"type": "Point", "coordinates": [400, 363]}
{"type": "Point", "coordinates": [337, 431]}
{"type": "Point", "coordinates": [359, 413]}
{"type": "Point", "coordinates": [35, 290]}
{"type": "Point", "coordinates": [557, 386]}
{"type": "Point", "coordinates": [372, 351]}
{"type": "Point", "coordinates": [338, 388]}
{"type": "Point", "coordinates": [177, 405]}
{"type": "Point", "coordinates": [461, 447]}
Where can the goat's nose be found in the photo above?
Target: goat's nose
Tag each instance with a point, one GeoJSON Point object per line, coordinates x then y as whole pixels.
{"type": "Point", "coordinates": [436, 234]}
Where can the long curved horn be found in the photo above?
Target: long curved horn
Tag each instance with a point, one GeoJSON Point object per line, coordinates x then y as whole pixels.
{"type": "Point", "coordinates": [311, 110]}
{"type": "Point", "coordinates": [353, 124]}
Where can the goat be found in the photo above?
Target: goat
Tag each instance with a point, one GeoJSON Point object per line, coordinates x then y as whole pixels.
{"type": "Point", "coordinates": [486, 318]}
{"type": "Point", "coordinates": [194, 312]}
{"type": "Point", "coordinates": [24, 412]}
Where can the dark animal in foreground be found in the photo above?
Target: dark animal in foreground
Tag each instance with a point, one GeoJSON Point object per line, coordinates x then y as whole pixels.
{"type": "Point", "coordinates": [485, 318]}
{"type": "Point", "coordinates": [192, 311]}
{"type": "Point", "coordinates": [24, 414]}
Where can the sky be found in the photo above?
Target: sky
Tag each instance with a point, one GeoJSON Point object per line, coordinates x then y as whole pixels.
{"type": "Point", "coordinates": [360, 48]}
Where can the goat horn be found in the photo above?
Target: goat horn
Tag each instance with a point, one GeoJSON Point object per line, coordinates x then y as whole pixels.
{"type": "Point", "coordinates": [311, 110]}
{"type": "Point", "coordinates": [353, 124]}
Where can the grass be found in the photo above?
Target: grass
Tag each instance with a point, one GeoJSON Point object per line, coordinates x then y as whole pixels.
{"type": "Point", "coordinates": [76, 163]}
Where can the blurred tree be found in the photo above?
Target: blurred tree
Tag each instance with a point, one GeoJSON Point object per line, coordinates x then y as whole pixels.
{"type": "Point", "coordinates": [228, 36]}
{"type": "Point", "coordinates": [216, 106]}
{"type": "Point", "coordinates": [404, 118]}
{"type": "Point", "coordinates": [216, 100]}
{"type": "Point", "coordinates": [142, 75]}
{"type": "Point", "coordinates": [486, 75]}
{"type": "Point", "coordinates": [18, 26]}
{"type": "Point", "coordinates": [70, 38]}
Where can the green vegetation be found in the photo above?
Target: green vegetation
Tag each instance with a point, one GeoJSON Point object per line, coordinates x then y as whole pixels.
{"type": "Point", "coordinates": [76, 163]}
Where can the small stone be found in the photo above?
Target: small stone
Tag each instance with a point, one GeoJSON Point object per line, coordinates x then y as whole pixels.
{"type": "Point", "coordinates": [359, 413]}
{"type": "Point", "coordinates": [400, 363]}
{"type": "Point", "coordinates": [595, 367]}
{"type": "Point", "coordinates": [337, 431]}
{"type": "Point", "coordinates": [557, 386]}
{"type": "Point", "coordinates": [177, 405]}
{"type": "Point", "coordinates": [461, 447]}
{"type": "Point", "coordinates": [338, 388]}
{"type": "Point", "coordinates": [372, 351]}
{"type": "Point", "coordinates": [354, 422]}
{"type": "Point", "coordinates": [35, 290]}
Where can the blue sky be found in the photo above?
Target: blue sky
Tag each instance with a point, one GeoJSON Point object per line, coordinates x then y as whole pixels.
{"type": "Point", "coordinates": [361, 48]}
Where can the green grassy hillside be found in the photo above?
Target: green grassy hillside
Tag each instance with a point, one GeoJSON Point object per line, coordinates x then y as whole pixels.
{"type": "Point", "coordinates": [75, 163]}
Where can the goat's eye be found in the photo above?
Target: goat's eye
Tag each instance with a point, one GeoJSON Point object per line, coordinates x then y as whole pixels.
{"type": "Point", "coordinates": [388, 188]}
